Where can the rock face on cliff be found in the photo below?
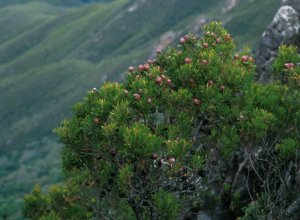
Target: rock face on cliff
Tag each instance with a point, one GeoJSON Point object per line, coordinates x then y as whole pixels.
{"type": "Point", "coordinates": [293, 3]}
{"type": "Point", "coordinates": [284, 29]}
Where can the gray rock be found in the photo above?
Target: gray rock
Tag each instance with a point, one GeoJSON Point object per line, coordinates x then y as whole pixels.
{"type": "Point", "coordinates": [284, 29]}
{"type": "Point", "coordinates": [293, 3]}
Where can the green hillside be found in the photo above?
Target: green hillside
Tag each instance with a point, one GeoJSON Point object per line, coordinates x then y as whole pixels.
{"type": "Point", "coordinates": [54, 2]}
{"type": "Point", "coordinates": [248, 21]}
{"type": "Point", "coordinates": [51, 55]}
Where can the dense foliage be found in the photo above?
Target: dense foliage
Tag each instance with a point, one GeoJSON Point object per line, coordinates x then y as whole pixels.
{"type": "Point", "coordinates": [51, 53]}
{"type": "Point", "coordinates": [185, 134]}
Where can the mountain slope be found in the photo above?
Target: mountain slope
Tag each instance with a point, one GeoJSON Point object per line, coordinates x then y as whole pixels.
{"type": "Point", "coordinates": [51, 55]}
{"type": "Point", "coordinates": [248, 20]}
{"type": "Point", "coordinates": [4, 3]}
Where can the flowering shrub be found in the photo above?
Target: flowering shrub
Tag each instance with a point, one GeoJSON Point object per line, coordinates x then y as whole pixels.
{"type": "Point", "coordinates": [188, 132]}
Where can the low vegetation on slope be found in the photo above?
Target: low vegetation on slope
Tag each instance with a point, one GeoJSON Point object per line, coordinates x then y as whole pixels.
{"type": "Point", "coordinates": [189, 133]}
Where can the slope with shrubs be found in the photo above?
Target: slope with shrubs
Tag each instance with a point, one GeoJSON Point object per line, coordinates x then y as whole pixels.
{"type": "Point", "coordinates": [187, 133]}
{"type": "Point", "coordinates": [50, 62]}
{"type": "Point", "coordinates": [31, 80]}
{"type": "Point", "coordinates": [50, 55]}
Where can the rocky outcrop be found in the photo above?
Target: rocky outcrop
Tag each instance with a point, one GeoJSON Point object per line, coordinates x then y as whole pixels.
{"type": "Point", "coordinates": [293, 3]}
{"type": "Point", "coordinates": [284, 29]}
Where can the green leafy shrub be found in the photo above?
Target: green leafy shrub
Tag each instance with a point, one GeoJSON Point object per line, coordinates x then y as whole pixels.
{"type": "Point", "coordinates": [288, 148]}
{"type": "Point", "coordinates": [253, 211]}
{"type": "Point", "coordinates": [51, 216]}
{"type": "Point", "coordinates": [188, 132]}
{"type": "Point", "coordinates": [167, 204]}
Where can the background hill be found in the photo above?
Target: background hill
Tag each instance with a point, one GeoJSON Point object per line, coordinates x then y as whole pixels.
{"type": "Point", "coordinates": [53, 2]}
{"type": "Point", "coordinates": [52, 52]}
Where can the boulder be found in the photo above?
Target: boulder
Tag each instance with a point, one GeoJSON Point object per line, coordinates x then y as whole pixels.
{"type": "Point", "coordinates": [284, 29]}
{"type": "Point", "coordinates": [293, 3]}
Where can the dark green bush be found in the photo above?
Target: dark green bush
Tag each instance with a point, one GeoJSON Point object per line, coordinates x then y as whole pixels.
{"type": "Point", "coordinates": [188, 132]}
